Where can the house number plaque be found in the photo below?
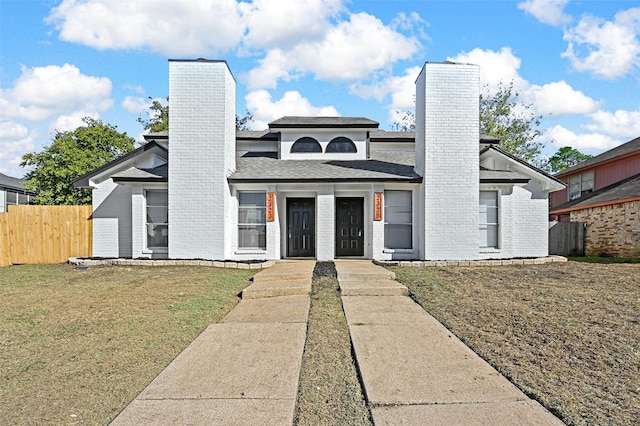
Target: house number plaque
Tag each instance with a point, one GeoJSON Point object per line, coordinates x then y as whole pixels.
{"type": "Point", "coordinates": [271, 209]}
{"type": "Point", "coordinates": [377, 206]}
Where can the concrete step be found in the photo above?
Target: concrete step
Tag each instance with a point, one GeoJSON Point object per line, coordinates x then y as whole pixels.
{"type": "Point", "coordinates": [362, 270]}
{"type": "Point", "coordinates": [286, 270]}
{"type": "Point", "coordinates": [285, 287]}
{"type": "Point", "coordinates": [376, 287]}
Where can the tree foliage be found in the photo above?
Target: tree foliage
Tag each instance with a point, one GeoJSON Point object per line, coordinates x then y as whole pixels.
{"type": "Point", "coordinates": [518, 128]}
{"type": "Point", "coordinates": [564, 158]}
{"type": "Point", "coordinates": [156, 119]}
{"type": "Point", "coordinates": [501, 116]}
{"type": "Point", "coordinates": [73, 154]}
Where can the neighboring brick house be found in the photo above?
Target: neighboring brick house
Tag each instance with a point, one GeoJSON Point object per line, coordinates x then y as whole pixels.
{"type": "Point", "coordinates": [12, 192]}
{"type": "Point", "coordinates": [319, 187]}
{"type": "Point", "coordinates": [604, 193]}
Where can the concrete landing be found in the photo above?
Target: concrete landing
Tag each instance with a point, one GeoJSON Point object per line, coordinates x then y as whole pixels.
{"type": "Point", "coordinates": [286, 278]}
{"type": "Point", "coordinates": [415, 371]}
{"type": "Point", "coordinates": [243, 371]}
{"type": "Point", "coordinates": [361, 270]}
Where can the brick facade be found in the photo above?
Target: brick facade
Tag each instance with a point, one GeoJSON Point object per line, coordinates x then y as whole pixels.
{"type": "Point", "coordinates": [612, 229]}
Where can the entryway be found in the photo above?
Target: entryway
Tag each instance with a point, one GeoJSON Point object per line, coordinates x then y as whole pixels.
{"type": "Point", "coordinates": [301, 227]}
{"type": "Point", "coordinates": [349, 227]}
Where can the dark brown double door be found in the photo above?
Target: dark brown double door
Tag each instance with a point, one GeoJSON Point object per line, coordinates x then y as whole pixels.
{"type": "Point", "coordinates": [349, 227]}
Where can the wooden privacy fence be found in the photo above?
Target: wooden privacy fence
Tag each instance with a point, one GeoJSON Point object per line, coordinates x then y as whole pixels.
{"type": "Point", "coordinates": [44, 234]}
{"type": "Point", "coordinates": [567, 238]}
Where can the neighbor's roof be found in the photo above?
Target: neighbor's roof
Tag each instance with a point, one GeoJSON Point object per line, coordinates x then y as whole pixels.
{"type": "Point", "coordinates": [11, 183]}
{"type": "Point", "coordinates": [619, 192]}
{"type": "Point", "coordinates": [631, 147]}
{"type": "Point", "coordinates": [326, 122]}
{"type": "Point", "coordinates": [381, 167]}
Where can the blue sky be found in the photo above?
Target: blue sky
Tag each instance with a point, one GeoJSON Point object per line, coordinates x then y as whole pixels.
{"type": "Point", "coordinates": [576, 62]}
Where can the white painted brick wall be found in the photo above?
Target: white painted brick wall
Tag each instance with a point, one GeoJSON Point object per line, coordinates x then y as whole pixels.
{"type": "Point", "coordinates": [325, 223]}
{"type": "Point", "coordinates": [111, 220]}
{"type": "Point", "coordinates": [202, 156]}
{"type": "Point", "coordinates": [447, 145]}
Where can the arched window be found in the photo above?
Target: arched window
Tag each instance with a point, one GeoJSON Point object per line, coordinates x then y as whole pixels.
{"type": "Point", "coordinates": [341, 144]}
{"type": "Point", "coordinates": [306, 144]}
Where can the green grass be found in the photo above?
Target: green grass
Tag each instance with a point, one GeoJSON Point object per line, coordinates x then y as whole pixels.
{"type": "Point", "coordinates": [76, 346]}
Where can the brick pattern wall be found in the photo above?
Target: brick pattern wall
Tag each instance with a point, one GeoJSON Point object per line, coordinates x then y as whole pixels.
{"type": "Point", "coordinates": [447, 134]}
{"type": "Point", "coordinates": [613, 229]}
{"type": "Point", "coordinates": [202, 155]}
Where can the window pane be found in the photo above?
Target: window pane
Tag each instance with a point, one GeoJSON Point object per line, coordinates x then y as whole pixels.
{"type": "Point", "coordinates": [157, 197]}
{"type": "Point", "coordinates": [306, 144]}
{"type": "Point", "coordinates": [249, 215]}
{"type": "Point", "coordinates": [397, 236]}
{"type": "Point", "coordinates": [488, 219]}
{"type": "Point", "coordinates": [157, 218]}
{"type": "Point", "coordinates": [398, 220]}
{"type": "Point", "coordinates": [12, 197]}
{"type": "Point", "coordinates": [157, 236]}
{"type": "Point", "coordinates": [252, 236]}
{"type": "Point", "coordinates": [341, 144]}
{"type": "Point", "coordinates": [23, 199]}
{"type": "Point", "coordinates": [252, 199]}
{"type": "Point", "coordinates": [157, 214]}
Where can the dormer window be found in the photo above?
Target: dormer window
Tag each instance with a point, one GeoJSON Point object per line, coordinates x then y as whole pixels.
{"type": "Point", "coordinates": [342, 145]}
{"type": "Point", "coordinates": [306, 144]}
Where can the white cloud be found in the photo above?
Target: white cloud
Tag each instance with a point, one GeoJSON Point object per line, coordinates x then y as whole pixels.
{"type": "Point", "coordinates": [495, 67]}
{"type": "Point", "coordinates": [72, 121]}
{"type": "Point", "coordinates": [608, 49]}
{"type": "Point", "coordinates": [350, 50]}
{"type": "Point", "coordinates": [135, 104]}
{"type": "Point", "coordinates": [265, 110]}
{"type": "Point", "coordinates": [277, 24]}
{"type": "Point", "coordinates": [173, 28]}
{"type": "Point", "coordinates": [560, 99]}
{"type": "Point", "coordinates": [593, 143]}
{"type": "Point", "coordinates": [15, 140]}
{"type": "Point", "coordinates": [622, 123]}
{"type": "Point", "coordinates": [546, 11]}
{"type": "Point", "coordinates": [41, 92]}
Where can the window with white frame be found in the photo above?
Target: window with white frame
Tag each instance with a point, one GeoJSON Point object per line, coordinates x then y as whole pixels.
{"type": "Point", "coordinates": [580, 185]}
{"type": "Point", "coordinates": [252, 220]}
{"type": "Point", "coordinates": [488, 219]}
{"type": "Point", "coordinates": [398, 223]}
{"type": "Point", "coordinates": [157, 222]}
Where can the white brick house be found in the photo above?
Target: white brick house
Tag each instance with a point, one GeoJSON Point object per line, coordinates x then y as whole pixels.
{"type": "Point", "coordinates": [319, 187]}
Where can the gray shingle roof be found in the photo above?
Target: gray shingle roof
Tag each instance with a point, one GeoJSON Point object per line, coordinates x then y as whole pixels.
{"type": "Point", "coordinates": [330, 122]}
{"type": "Point", "coordinates": [382, 166]}
{"type": "Point", "coordinates": [624, 149]}
{"type": "Point", "coordinates": [502, 176]}
{"type": "Point", "coordinates": [9, 182]}
{"type": "Point", "coordinates": [133, 174]}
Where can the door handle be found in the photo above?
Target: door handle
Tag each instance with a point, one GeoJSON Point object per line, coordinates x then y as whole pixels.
{"type": "Point", "coordinates": [359, 232]}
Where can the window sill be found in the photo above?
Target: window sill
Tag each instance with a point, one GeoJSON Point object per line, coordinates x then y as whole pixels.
{"type": "Point", "coordinates": [251, 251]}
{"type": "Point", "coordinates": [152, 251]}
{"type": "Point", "coordinates": [399, 251]}
{"type": "Point", "coordinates": [490, 250]}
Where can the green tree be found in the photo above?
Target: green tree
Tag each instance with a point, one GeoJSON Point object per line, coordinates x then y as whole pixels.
{"type": "Point", "coordinates": [564, 158]}
{"type": "Point", "coordinates": [518, 128]}
{"type": "Point", "coordinates": [156, 119]}
{"type": "Point", "coordinates": [71, 155]}
{"type": "Point", "coordinates": [501, 116]}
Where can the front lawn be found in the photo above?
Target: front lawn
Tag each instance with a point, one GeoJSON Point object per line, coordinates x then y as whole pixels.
{"type": "Point", "coordinates": [78, 345]}
{"type": "Point", "coordinates": [567, 334]}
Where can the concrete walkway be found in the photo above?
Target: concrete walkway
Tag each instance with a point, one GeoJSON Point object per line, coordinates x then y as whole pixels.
{"type": "Point", "coordinates": [243, 371]}
{"type": "Point", "coordinates": [415, 372]}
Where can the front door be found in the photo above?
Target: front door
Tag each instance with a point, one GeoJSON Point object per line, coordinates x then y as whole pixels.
{"type": "Point", "coordinates": [349, 227]}
{"type": "Point", "coordinates": [301, 227]}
